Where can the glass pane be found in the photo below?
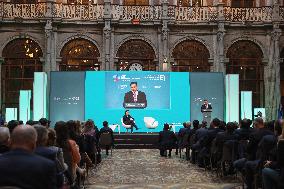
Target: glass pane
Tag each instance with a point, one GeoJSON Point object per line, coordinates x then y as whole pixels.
{"type": "Point", "coordinates": [15, 72]}
{"type": "Point", "coordinates": [28, 84]}
{"type": "Point", "coordinates": [12, 98]}
{"type": "Point", "coordinates": [29, 71]}
{"type": "Point", "coordinates": [13, 84]}
{"type": "Point", "coordinates": [251, 72]}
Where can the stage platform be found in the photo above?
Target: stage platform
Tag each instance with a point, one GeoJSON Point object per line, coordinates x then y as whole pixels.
{"type": "Point", "coordinates": [136, 140]}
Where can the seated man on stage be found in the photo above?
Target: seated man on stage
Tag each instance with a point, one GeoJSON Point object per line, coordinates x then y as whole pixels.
{"type": "Point", "coordinates": [206, 106]}
{"type": "Point", "coordinates": [129, 120]}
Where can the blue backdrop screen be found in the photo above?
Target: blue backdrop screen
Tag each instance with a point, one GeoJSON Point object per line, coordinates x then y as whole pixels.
{"type": "Point", "coordinates": [168, 97]}
{"type": "Point", "coordinates": [156, 87]}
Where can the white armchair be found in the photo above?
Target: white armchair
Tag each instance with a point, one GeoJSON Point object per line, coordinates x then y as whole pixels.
{"type": "Point", "coordinates": [125, 126]}
{"type": "Point", "coordinates": [150, 122]}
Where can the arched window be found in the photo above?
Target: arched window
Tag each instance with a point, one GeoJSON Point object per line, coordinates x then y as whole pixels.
{"type": "Point", "coordinates": [79, 55]}
{"type": "Point", "coordinates": [245, 59]}
{"type": "Point", "coordinates": [21, 60]}
{"type": "Point", "coordinates": [190, 56]}
{"type": "Point", "coordinates": [136, 54]}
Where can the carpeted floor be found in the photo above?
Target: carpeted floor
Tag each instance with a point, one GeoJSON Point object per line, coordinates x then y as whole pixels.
{"type": "Point", "coordinates": [144, 168]}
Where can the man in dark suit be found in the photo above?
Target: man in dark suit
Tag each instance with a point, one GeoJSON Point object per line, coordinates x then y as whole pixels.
{"type": "Point", "coordinates": [206, 106]}
{"type": "Point", "coordinates": [106, 129]}
{"type": "Point", "coordinates": [129, 120]}
{"type": "Point", "coordinates": [167, 141]}
{"type": "Point", "coordinates": [23, 169]}
{"type": "Point", "coordinates": [134, 96]}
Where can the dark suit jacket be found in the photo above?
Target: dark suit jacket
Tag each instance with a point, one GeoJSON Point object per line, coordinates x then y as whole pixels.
{"type": "Point", "coordinates": [28, 171]}
{"type": "Point", "coordinates": [141, 98]}
{"type": "Point", "coordinates": [127, 119]}
{"type": "Point", "coordinates": [46, 152]}
{"type": "Point", "coordinates": [107, 130]}
{"type": "Point", "coordinates": [204, 108]}
{"type": "Point", "coordinates": [254, 140]}
{"type": "Point", "coordinates": [167, 139]}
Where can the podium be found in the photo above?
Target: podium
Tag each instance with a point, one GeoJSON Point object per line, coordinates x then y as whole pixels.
{"type": "Point", "coordinates": [207, 115]}
{"type": "Point", "coordinates": [134, 105]}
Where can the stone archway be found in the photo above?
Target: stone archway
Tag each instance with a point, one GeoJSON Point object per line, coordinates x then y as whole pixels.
{"type": "Point", "coordinates": [21, 60]}
{"type": "Point", "coordinates": [136, 54]}
{"type": "Point", "coordinates": [190, 56]}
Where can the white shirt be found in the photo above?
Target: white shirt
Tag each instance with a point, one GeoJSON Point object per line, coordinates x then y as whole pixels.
{"type": "Point", "coordinates": [135, 94]}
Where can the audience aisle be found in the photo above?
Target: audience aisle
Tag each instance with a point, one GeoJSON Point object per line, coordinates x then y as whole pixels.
{"type": "Point", "coordinates": [146, 169]}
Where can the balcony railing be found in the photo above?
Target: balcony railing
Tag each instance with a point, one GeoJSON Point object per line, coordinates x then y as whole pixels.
{"type": "Point", "coordinates": [143, 13]}
{"type": "Point", "coordinates": [25, 11]}
{"type": "Point", "coordinates": [192, 14]}
{"type": "Point", "coordinates": [256, 14]}
{"type": "Point", "coordinates": [93, 12]}
{"type": "Point", "coordinates": [78, 12]}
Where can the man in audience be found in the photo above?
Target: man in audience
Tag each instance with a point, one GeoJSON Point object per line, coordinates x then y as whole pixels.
{"type": "Point", "coordinates": [200, 134]}
{"type": "Point", "coordinates": [247, 166]}
{"type": "Point", "coordinates": [185, 129]}
{"type": "Point", "coordinates": [245, 130]}
{"type": "Point", "coordinates": [106, 129]}
{"type": "Point", "coordinates": [4, 139]}
{"type": "Point", "coordinates": [21, 168]}
{"type": "Point", "coordinates": [44, 122]}
{"type": "Point", "coordinates": [12, 125]}
{"type": "Point", "coordinates": [167, 141]}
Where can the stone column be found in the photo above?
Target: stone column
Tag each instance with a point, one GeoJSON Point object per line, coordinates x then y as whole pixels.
{"type": "Point", "coordinates": [218, 64]}
{"type": "Point", "coordinates": [106, 63]}
{"type": "Point", "coordinates": [164, 58]}
{"type": "Point", "coordinates": [272, 75]}
{"type": "Point", "coordinates": [50, 48]}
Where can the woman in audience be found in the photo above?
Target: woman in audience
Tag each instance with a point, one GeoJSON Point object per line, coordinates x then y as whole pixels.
{"type": "Point", "coordinates": [70, 150]}
{"type": "Point", "coordinates": [90, 138]}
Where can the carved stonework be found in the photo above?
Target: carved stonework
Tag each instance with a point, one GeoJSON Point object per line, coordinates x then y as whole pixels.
{"type": "Point", "coordinates": [165, 32]}
{"type": "Point", "coordinates": [107, 32]}
{"type": "Point", "coordinates": [275, 34]}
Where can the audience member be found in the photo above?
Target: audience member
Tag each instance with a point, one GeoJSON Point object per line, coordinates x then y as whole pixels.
{"type": "Point", "coordinates": [12, 125]}
{"type": "Point", "coordinates": [21, 168]}
{"type": "Point", "coordinates": [167, 141]}
{"type": "Point", "coordinates": [4, 139]}
{"type": "Point", "coordinates": [44, 122]}
{"type": "Point", "coordinates": [106, 129]}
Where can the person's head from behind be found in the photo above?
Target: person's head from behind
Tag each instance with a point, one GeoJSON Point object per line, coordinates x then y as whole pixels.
{"type": "Point", "coordinates": [184, 125]}
{"type": "Point", "coordinates": [204, 124]}
{"type": "Point", "coordinates": [188, 124]}
{"type": "Point", "coordinates": [195, 124]}
{"type": "Point", "coordinates": [230, 127]}
{"type": "Point", "coordinates": [216, 122]}
{"type": "Point", "coordinates": [126, 112]}
{"type": "Point", "coordinates": [30, 122]}
{"type": "Point", "coordinates": [245, 123]}
{"type": "Point", "coordinates": [258, 123]}
{"type": "Point", "coordinates": [205, 101]}
{"type": "Point", "coordinates": [62, 134]}
{"type": "Point", "coordinates": [222, 125]}
{"type": "Point", "coordinates": [24, 137]}
{"type": "Point", "coordinates": [89, 126]}
{"type": "Point", "coordinates": [105, 124]}
{"type": "Point", "coordinates": [133, 86]}
{"type": "Point", "coordinates": [42, 135]}
{"type": "Point", "coordinates": [44, 122]}
{"type": "Point", "coordinates": [71, 124]}
{"type": "Point", "coordinates": [12, 125]}
{"type": "Point", "coordinates": [4, 136]}
{"type": "Point", "coordinates": [51, 137]}
{"type": "Point", "coordinates": [166, 127]}
{"type": "Point", "coordinates": [269, 125]}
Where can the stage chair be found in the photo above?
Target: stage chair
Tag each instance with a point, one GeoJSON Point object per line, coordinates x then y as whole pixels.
{"type": "Point", "coordinates": [151, 123]}
{"type": "Point", "coordinates": [125, 126]}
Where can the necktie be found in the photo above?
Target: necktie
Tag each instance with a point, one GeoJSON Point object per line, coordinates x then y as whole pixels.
{"type": "Point", "coordinates": [135, 97]}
